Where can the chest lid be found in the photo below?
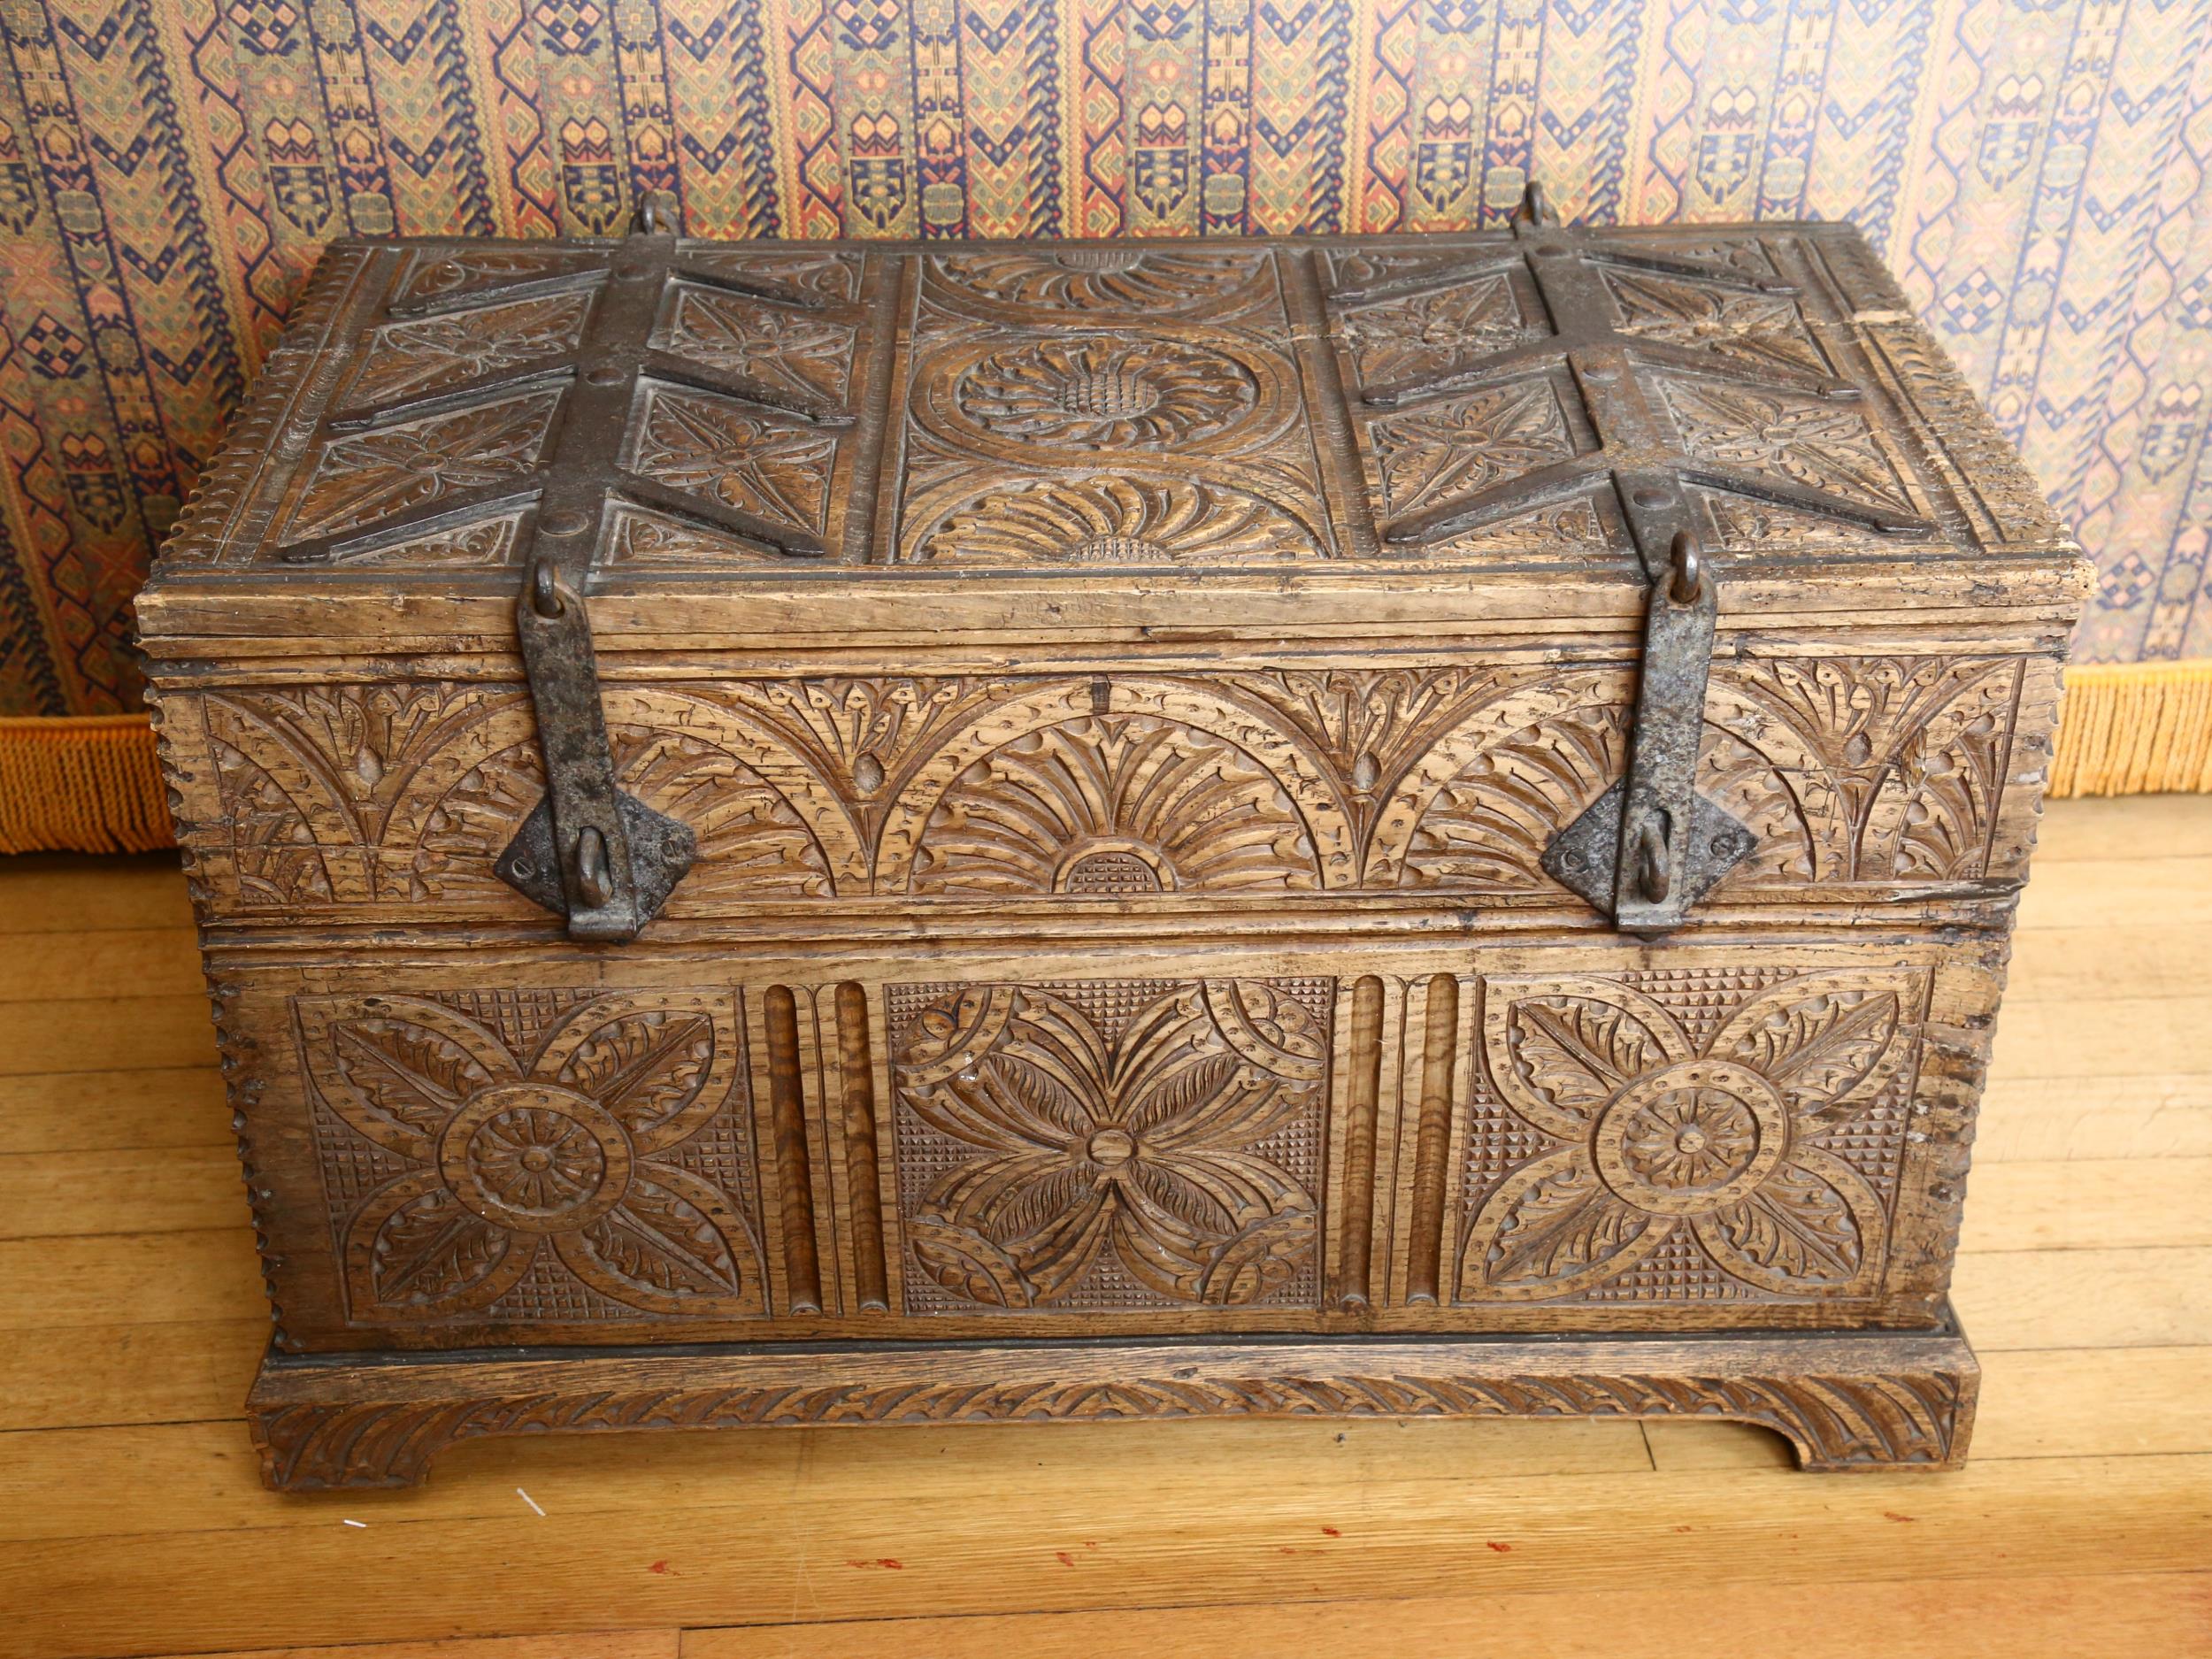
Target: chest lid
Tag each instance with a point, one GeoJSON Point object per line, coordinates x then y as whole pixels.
{"type": "Point", "coordinates": [787, 440]}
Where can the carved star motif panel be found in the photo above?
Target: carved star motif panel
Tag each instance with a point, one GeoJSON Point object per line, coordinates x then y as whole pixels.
{"type": "Point", "coordinates": [1854, 772]}
{"type": "Point", "coordinates": [1111, 1145]}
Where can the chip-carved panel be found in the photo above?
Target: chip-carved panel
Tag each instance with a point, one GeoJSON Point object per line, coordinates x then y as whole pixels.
{"type": "Point", "coordinates": [1040, 788]}
{"type": "Point", "coordinates": [521, 1158]}
{"type": "Point", "coordinates": [362, 479]}
{"type": "Point", "coordinates": [413, 359]}
{"type": "Point", "coordinates": [1687, 1134]}
{"type": "Point", "coordinates": [1105, 1146]}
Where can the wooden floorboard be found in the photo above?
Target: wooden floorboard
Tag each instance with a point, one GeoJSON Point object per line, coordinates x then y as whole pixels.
{"type": "Point", "coordinates": [2140, 1614]}
{"type": "Point", "coordinates": [132, 1522]}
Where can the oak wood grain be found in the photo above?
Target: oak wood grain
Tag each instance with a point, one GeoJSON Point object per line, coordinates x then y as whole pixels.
{"type": "Point", "coordinates": [1233, 1540]}
{"type": "Point", "coordinates": [1961, 1617]}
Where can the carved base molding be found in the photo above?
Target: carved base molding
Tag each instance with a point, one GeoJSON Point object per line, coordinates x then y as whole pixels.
{"type": "Point", "coordinates": [1845, 1401]}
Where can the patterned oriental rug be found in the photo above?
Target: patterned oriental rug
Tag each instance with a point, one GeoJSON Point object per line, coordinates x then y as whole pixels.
{"type": "Point", "coordinates": [2034, 171]}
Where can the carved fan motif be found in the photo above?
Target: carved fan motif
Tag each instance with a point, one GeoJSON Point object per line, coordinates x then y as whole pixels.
{"type": "Point", "coordinates": [567, 1158]}
{"type": "Point", "coordinates": [1129, 1144]}
{"type": "Point", "coordinates": [1092, 279]}
{"type": "Point", "coordinates": [1714, 1150]}
{"type": "Point", "coordinates": [1107, 520]}
{"type": "Point", "coordinates": [1115, 805]}
{"type": "Point", "coordinates": [362, 794]}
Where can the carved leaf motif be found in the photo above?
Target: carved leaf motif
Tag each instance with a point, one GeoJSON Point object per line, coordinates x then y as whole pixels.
{"type": "Point", "coordinates": [769, 343]}
{"type": "Point", "coordinates": [1553, 1231]}
{"type": "Point", "coordinates": [445, 270]}
{"type": "Point", "coordinates": [644, 1067]}
{"type": "Point", "coordinates": [834, 276]}
{"type": "Point", "coordinates": [581, 1154]}
{"type": "Point", "coordinates": [1575, 1052]}
{"type": "Point", "coordinates": [1796, 1227]}
{"type": "Point", "coordinates": [1400, 338]}
{"type": "Point", "coordinates": [1137, 1144]}
{"type": "Point", "coordinates": [361, 478]}
{"type": "Point", "coordinates": [402, 1074]}
{"type": "Point", "coordinates": [713, 447]}
{"type": "Point", "coordinates": [1260, 1261]}
{"type": "Point", "coordinates": [414, 358]}
{"type": "Point", "coordinates": [1826, 445]}
{"type": "Point", "coordinates": [1756, 330]}
{"type": "Point", "coordinates": [968, 1265]}
{"type": "Point", "coordinates": [663, 1249]}
{"type": "Point", "coordinates": [1457, 445]}
{"type": "Point", "coordinates": [431, 1252]}
{"type": "Point", "coordinates": [1817, 1045]}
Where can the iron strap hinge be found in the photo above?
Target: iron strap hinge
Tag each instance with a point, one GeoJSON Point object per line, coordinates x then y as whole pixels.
{"type": "Point", "coordinates": [1651, 846]}
{"type": "Point", "coordinates": [604, 858]}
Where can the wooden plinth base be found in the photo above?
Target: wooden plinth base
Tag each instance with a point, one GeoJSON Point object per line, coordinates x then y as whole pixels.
{"type": "Point", "coordinates": [1846, 1402]}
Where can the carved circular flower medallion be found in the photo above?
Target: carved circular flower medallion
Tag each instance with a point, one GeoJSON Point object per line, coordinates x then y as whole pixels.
{"type": "Point", "coordinates": [1108, 391]}
{"type": "Point", "coordinates": [1691, 1138]}
{"type": "Point", "coordinates": [536, 1158]}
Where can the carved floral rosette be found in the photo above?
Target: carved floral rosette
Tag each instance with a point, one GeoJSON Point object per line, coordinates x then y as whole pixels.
{"type": "Point", "coordinates": [1688, 1142]}
{"type": "Point", "coordinates": [1107, 1144]}
{"type": "Point", "coordinates": [548, 1157]}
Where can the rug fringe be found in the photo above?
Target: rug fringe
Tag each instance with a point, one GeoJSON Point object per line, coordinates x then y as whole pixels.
{"type": "Point", "coordinates": [2135, 728]}
{"type": "Point", "coordinates": [85, 785]}
{"type": "Point", "coordinates": [91, 784]}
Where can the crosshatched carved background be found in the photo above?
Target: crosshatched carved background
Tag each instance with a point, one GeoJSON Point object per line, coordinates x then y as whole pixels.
{"type": "Point", "coordinates": [1687, 1134]}
{"type": "Point", "coordinates": [536, 1156]}
{"type": "Point", "coordinates": [1111, 1145]}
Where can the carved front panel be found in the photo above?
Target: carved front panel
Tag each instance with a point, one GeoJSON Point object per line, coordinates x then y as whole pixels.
{"type": "Point", "coordinates": [521, 1158]}
{"type": "Point", "coordinates": [1435, 1135]}
{"type": "Point", "coordinates": [1101, 1146]}
{"type": "Point", "coordinates": [1861, 773]}
{"type": "Point", "coordinates": [1671, 1135]}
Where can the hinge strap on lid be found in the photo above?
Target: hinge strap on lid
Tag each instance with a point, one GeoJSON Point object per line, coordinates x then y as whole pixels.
{"type": "Point", "coordinates": [1651, 846]}
{"type": "Point", "coordinates": [602, 857]}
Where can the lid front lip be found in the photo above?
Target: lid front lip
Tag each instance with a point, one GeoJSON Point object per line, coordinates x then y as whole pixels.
{"type": "Point", "coordinates": [238, 601]}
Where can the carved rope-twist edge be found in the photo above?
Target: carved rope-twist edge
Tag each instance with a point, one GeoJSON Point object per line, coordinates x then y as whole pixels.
{"type": "Point", "coordinates": [1862, 1420]}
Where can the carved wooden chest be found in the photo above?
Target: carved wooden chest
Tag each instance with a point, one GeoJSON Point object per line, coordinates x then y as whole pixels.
{"type": "Point", "coordinates": [834, 833]}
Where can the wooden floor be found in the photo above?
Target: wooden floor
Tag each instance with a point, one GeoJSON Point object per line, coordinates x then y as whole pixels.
{"type": "Point", "coordinates": [130, 1521]}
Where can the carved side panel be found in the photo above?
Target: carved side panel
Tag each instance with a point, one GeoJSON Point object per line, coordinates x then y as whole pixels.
{"type": "Point", "coordinates": [1671, 1135]}
{"type": "Point", "coordinates": [1110, 1146]}
{"type": "Point", "coordinates": [510, 1158]}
